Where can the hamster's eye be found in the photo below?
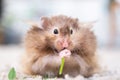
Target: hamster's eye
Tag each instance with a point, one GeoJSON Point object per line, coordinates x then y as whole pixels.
{"type": "Point", "coordinates": [71, 31]}
{"type": "Point", "coordinates": [55, 31]}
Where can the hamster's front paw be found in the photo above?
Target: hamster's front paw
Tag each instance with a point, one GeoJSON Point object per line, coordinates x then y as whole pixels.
{"type": "Point", "coordinates": [65, 53]}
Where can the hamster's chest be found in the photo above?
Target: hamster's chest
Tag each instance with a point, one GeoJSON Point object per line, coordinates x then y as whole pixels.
{"type": "Point", "coordinates": [71, 67]}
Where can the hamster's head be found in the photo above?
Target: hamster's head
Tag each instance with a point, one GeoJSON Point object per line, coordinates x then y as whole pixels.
{"type": "Point", "coordinates": [64, 32]}
{"type": "Point", "coordinates": [59, 30]}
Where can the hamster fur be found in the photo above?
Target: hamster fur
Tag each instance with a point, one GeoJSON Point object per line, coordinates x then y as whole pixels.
{"type": "Point", "coordinates": [43, 44]}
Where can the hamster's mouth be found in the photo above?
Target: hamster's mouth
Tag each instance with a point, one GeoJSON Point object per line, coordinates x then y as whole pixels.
{"type": "Point", "coordinates": [63, 53]}
{"type": "Point", "coordinates": [57, 51]}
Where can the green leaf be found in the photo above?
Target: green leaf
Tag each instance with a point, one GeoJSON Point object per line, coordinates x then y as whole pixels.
{"type": "Point", "coordinates": [12, 74]}
{"type": "Point", "coordinates": [61, 66]}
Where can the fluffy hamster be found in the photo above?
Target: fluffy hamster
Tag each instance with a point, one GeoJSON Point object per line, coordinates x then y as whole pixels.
{"type": "Point", "coordinates": [43, 44]}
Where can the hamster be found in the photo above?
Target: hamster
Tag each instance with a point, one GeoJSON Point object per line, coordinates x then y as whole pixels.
{"type": "Point", "coordinates": [44, 43]}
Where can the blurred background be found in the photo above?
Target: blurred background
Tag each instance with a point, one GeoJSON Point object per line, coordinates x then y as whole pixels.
{"type": "Point", "coordinates": [14, 13]}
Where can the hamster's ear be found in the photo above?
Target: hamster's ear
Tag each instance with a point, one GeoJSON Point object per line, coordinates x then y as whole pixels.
{"type": "Point", "coordinates": [45, 22]}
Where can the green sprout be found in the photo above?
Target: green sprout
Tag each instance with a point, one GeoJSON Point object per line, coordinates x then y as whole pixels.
{"type": "Point", "coordinates": [12, 74]}
{"type": "Point", "coordinates": [61, 66]}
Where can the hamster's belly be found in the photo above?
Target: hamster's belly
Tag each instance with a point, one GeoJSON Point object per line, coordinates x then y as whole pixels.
{"type": "Point", "coordinates": [70, 68]}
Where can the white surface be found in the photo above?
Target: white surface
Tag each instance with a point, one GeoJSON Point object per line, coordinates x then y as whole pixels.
{"type": "Point", "coordinates": [108, 59]}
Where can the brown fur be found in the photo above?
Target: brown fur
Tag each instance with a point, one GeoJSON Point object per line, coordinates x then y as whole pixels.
{"type": "Point", "coordinates": [40, 43]}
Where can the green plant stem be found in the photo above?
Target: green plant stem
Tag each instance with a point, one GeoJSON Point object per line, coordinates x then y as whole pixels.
{"type": "Point", "coordinates": [61, 66]}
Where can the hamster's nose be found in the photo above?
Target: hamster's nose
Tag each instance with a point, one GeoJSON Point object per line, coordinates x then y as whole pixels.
{"type": "Point", "coordinates": [65, 44]}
